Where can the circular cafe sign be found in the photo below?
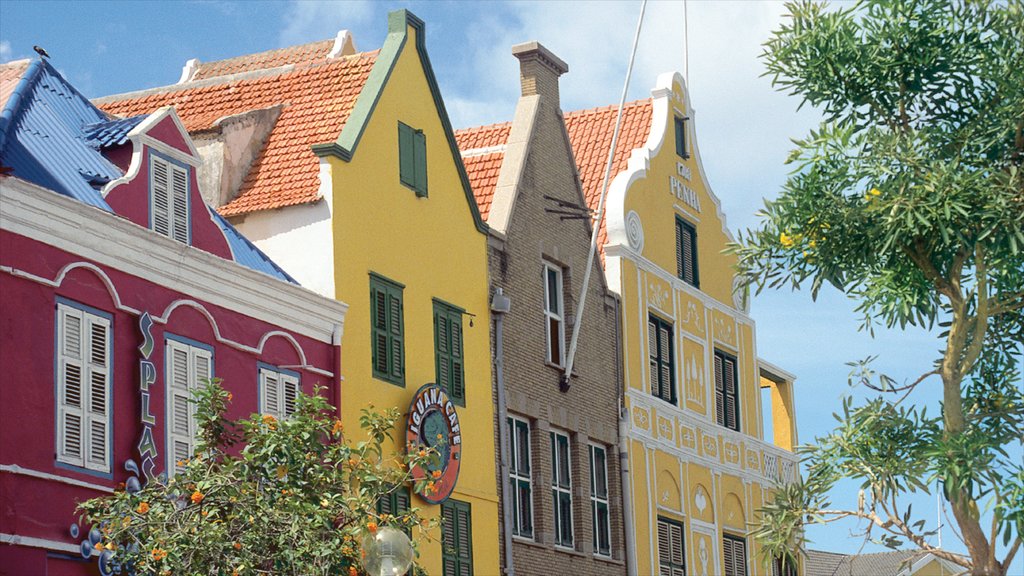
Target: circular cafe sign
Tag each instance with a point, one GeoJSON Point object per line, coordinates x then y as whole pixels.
{"type": "Point", "coordinates": [433, 423]}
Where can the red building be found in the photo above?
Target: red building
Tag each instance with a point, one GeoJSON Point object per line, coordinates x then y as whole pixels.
{"type": "Point", "coordinates": [120, 290]}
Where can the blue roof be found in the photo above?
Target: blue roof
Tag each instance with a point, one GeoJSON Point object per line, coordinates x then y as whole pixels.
{"type": "Point", "coordinates": [247, 254]}
{"type": "Point", "coordinates": [53, 136]}
{"type": "Point", "coordinates": [111, 133]}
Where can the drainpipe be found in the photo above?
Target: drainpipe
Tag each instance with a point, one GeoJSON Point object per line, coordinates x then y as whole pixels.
{"type": "Point", "coordinates": [626, 481]}
{"type": "Point", "coordinates": [500, 305]}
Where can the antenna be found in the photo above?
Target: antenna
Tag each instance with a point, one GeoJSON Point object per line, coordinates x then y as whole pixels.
{"type": "Point", "coordinates": [565, 383]}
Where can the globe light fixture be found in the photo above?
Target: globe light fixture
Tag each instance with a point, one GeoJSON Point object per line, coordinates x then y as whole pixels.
{"type": "Point", "coordinates": [388, 552]}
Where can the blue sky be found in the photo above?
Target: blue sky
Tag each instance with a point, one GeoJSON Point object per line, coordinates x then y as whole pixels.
{"type": "Point", "coordinates": [743, 126]}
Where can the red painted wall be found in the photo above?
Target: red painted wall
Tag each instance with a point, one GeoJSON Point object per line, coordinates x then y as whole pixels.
{"type": "Point", "coordinates": [43, 508]}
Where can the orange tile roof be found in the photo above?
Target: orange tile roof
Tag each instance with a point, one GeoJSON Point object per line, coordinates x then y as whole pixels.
{"type": "Point", "coordinates": [10, 75]}
{"type": "Point", "coordinates": [303, 54]}
{"type": "Point", "coordinates": [590, 133]}
{"type": "Point", "coordinates": [483, 172]}
{"type": "Point", "coordinates": [317, 99]}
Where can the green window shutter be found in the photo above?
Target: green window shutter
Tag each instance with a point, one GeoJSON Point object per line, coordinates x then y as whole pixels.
{"type": "Point", "coordinates": [420, 154]}
{"type": "Point", "coordinates": [660, 342]}
{"type": "Point", "coordinates": [727, 408]}
{"type": "Point", "coordinates": [406, 155]}
{"type": "Point", "coordinates": [681, 150]}
{"type": "Point", "coordinates": [387, 332]}
{"type": "Point", "coordinates": [686, 253]}
{"type": "Point", "coordinates": [456, 538]}
{"type": "Point", "coordinates": [448, 355]}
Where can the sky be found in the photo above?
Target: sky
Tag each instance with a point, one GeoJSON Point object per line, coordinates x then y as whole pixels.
{"type": "Point", "coordinates": [743, 126]}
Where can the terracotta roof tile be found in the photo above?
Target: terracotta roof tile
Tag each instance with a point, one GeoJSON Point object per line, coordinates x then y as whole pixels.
{"type": "Point", "coordinates": [303, 54]}
{"type": "Point", "coordinates": [10, 75]}
{"type": "Point", "coordinates": [316, 102]}
{"type": "Point", "coordinates": [590, 132]}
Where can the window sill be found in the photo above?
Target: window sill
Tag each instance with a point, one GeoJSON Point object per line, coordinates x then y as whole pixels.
{"type": "Point", "coordinates": [609, 560]}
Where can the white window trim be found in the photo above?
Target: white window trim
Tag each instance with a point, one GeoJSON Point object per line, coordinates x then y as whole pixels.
{"type": "Point", "coordinates": [595, 499]}
{"type": "Point", "coordinates": [560, 490]}
{"type": "Point", "coordinates": [91, 422]}
{"type": "Point", "coordinates": [191, 382]}
{"type": "Point", "coordinates": [178, 217]}
{"type": "Point", "coordinates": [275, 388]}
{"type": "Point", "coordinates": [515, 477]}
{"type": "Point", "coordinates": [550, 315]}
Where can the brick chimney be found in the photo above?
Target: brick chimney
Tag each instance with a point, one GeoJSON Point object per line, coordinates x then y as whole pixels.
{"type": "Point", "coordinates": [539, 70]}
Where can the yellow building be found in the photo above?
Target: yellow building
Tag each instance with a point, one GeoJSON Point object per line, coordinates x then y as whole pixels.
{"type": "Point", "coordinates": [343, 167]}
{"type": "Point", "coordinates": [694, 419]}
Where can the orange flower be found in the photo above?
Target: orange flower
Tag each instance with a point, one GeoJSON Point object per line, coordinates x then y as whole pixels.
{"type": "Point", "coordinates": [143, 508]}
{"type": "Point", "coordinates": [230, 396]}
{"type": "Point", "coordinates": [439, 437]}
{"type": "Point", "coordinates": [352, 571]}
{"type": "Point", "coordinates": [99, 546]}
{"type": "Point", "coordinates": [422, 453]}
{"type": "Point", "coordinates": [372, 527]}
{"type": "Point", "coordinates": [270, 421]}
{"type": "Point", "coordinates": [352, 462]}
{"type": "Point", "coordinates": [431, 487]}
{"type": "Point", "coordinates": [436, 474]}
{"type": "Point", "coordinates": [237, 546]}
{"type": "Point", "coordinates": [337, 428]}
{"type": "Point", "coordinates": [159, 554]}
{"type": "Point", "coordinates": [197, 497]}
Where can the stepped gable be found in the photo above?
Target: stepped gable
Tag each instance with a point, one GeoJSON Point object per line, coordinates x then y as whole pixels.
{"type": "Point", "coordinates": [302, 54]}
{"type": "Point", "coordinates": [317, 100]}
{"type": "Point", "coordinates": [590, 133]}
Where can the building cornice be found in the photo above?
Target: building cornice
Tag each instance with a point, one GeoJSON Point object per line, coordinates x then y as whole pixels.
{"type": "Point", "coordinates": [107, 239]}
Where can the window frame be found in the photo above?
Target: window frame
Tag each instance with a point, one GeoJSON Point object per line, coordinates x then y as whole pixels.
{"type": "Point", "coordinates": [412, 159]}
{"type": "Point", "coordinates": [520, 478]}
{"type": "Point", "coordinates": [392, 335]}
{"type": "Point", "coordinates": [454, 361]}
{"type": "Point", "coordinates": [561, 492]}
{"type": "Point", "coordinates": [451, 508]}
{"type": "Point", "coordinates": [655, 359]}
{"type": "Point", "coordinates": [175, 169]}
{"type": "Point", "coordinates": [552, 316]}
{"type": "Point", "coordinates": [597, 500]}
{"type": "Point", "coordinates": [685, 227]}
{"type": "Point", "coordinates": [88, 318]}
{"type": "Point", "coordinates": [722, 358]}
{"type": "Point", "coordinates": [729, 542]}
{"type": "Point", "coordinates": [194, 350]}
{"type": "Point", "coordinates": [676, 565]}
{"type": "Point", "coordinates": [283, 378]}
{"type": "Point", "coordinates": [682, 142]}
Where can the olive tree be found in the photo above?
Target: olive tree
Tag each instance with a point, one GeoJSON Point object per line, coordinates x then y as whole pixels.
{"type": "Point", "coordinates": [262, 496]}
{"type": "Point", "coordinates": [909, 198]}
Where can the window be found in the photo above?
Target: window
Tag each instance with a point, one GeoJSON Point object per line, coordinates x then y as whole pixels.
{"type": "Point", "coordinates": [168, 198]}
{"type": "Point", "coordinates": [734, 549]}
{"type": "Point", "coordinates": [519, 478]}
{"type": "Point", "coordinates": [189, 365]}
{"type": "Point", "coordinates": [670, 548]}
{"type": "Point", "coordinates": [554, 313]}
{"type": "Point", "coordinates": [388, 339]}
{"type": "Point", "coordinates": [278, 391]}
{"type": "Point", "coordinates": [448, 360]}
{"type": "Point", "coordinates": [660, 344]}
{"type": "Point", "coordinates": [456, 538]}
{"type": "Point", "coordinates": [83, 387]}
{"type": "Point", "coordinates": [727, 407]}
{"type": "Point", "coordinates": [599, 501]}
{"type": "Point", "coordinates": [412, 158]}
{"type": "Point", "coordinates": [686, 252]}
{"type": "Point", "coordinates": [395, 502]}
{"type": "Point", "coordinates": [561, 488]}
{"type": "Point", "coordinates": [681, 150]}
{"type": "Point", "coordinates": [781, 569]}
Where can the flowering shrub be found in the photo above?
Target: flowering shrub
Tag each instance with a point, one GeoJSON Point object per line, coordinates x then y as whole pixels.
{"type": "Point", "coordinates": [262, 496]}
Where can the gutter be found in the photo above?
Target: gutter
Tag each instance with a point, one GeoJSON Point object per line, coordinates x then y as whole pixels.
{"type": "Point", "coordinates": [500, 305]}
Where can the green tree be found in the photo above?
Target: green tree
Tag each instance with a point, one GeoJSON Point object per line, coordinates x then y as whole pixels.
{"type": "Point", "coordinates": [263, 496]}
{"type": "Point", "coordinates": [909, 198]}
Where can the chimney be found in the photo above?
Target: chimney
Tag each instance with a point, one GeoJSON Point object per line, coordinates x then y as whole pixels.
{"type": "Point", "coordinates": [539, 70]}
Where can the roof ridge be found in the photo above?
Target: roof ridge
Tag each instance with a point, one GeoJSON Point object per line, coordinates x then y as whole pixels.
{"type": "Point", "coordinates": [263, 52]}
{"type": "Point", "coordinates": [638, 102]}
{"type": "Point", "coordinates": [227, 79]}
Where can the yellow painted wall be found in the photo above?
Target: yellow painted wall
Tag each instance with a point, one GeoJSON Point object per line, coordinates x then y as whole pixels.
{"type": "Point", "coordinates": [721, 465]}
{"type": "Point", "coordinates": [431, 246]}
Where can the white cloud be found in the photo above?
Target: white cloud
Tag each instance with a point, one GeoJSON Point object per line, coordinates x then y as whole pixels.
{"type": "Point", "coordinates": [5, 51]}
{"type": "Point", "coordinates": [310, 20]}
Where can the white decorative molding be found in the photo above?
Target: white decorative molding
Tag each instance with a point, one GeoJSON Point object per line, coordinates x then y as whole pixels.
{"type": "Point", "coordinates": [634, 231]}
{"type": "Point", "coordinates": [16, 540]}
{"type": "Point", "coordinates": [657, 295]}
{"type": "Point", "coordinates": [15, 469]}
{"type": "Point", "coordinates": [97, 235]}
{"type": "Point", "coordinates": [344, 45]}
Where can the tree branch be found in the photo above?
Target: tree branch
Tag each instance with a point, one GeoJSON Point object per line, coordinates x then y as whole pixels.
{"type": "Point", "coordinates": [917, 255]}
{"type": "Point", "coordinates": [980, 323]}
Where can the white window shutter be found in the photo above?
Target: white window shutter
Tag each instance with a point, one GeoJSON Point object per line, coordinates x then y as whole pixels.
{"type": "Point", "coordinates": [180, 373]}
{"type": "Point", "coordinates": [97, 411]}
{"type": "Point", "coordinates": [179, 196]}
{"type": "Point", "coordinates": [70, 387]}
{"type": "Point", "coordinates": [160, 197]}
{"type": "Point", "coordinates": [271, 393]}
